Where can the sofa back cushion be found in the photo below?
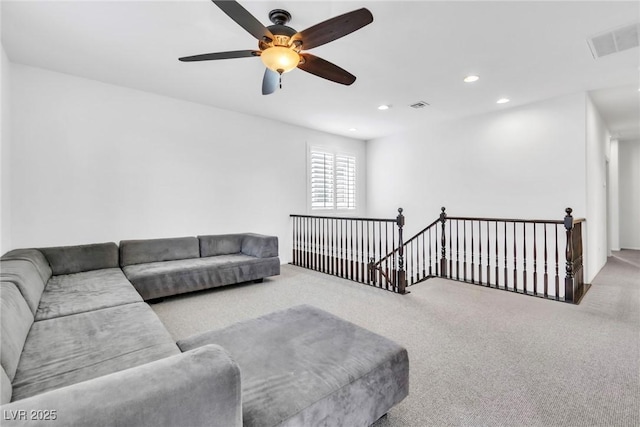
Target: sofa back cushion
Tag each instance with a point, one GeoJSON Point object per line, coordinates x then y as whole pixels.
{"type": "Point", "coordinates": [223, 244]}
{"type": "Point", "coordinates": [16, 319]}
{"type": "Point", "coordinates": [155, 250]}
{"type": "Point", "coordinates": [34, 256]}
{"type": "Point", "coordinates": [25, 276]}
{"type": "Point", "coordinates": [260, 246]}
{"type": "Point", "coordinates": [76, 259]}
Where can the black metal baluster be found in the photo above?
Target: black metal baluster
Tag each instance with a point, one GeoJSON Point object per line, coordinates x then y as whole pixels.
{"type": "Point", "coordinates": [546, 276]}
{"type": "Point", "coordinates": [380, 249]}
{"type": "Point", "coordinates": [488, 257]}
{"type": "Point", "coordinates": [464, 250]}
{"type": "Point", "coordinates": [373, 258]}
{"type": "Point", "coordinates": [315, 244]}
{"type": "Point", "coordinates": [362, 259]}
{"type": "Point", "coordinates": [515, 262]}
{"type": "Point", "coordinates": [535, 261]}
{"type": "Point", "coordinates": [351, 250]}
{"type": "Point", "coordinates": [343, 255]}
{"type": "Point", "coordinates": [354, 254]}
{"type": "Point", "coordinates": [424, 256]}
{"type": "Point", "coordinates": [295, 239]}
{"type": "Point", "coordinates": [416, 267]}
{"type": "Point", "coordinates": [386, 251]}
{"type": "Point", "coordinates": [506, 270]}
{"type": "Point", "coordinates": [457, 250]}
{"type": "Point", "coordinates": [497, 260]}
{"type": "Point", "coordinates": [480, 278]}
{"type": "Point", "coordinates": [394, 271]}
{"type": "Point", "coordinates": [437, 252]}
{"type": "Point", "coordinates": [450, 251]}
{"type": "Point", "coordinates": [557, 267]}
{"type": "Point", "coordinates": [332, 247]}
{"type": "Point", "coordinates": [322, 245]}
{"type": "Point", "coordinates": [473, 267]}
{"type": "Point", "coordinates": [430, 268]}
{"type": "Point", "coordinates": [524, 257]}
{"type": "Point", "coordinates": [302, 241]}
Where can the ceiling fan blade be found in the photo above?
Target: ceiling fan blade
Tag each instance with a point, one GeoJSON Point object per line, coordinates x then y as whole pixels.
{"type": "Point", "coordinates": [270, 81]}
{"type": "Point", "coordinates": [243, 18]}
{"type": "Point", "coordinates": [333, 28]}
{"type": "Point", "coordinates": [221, 55]}
{"type": "Point", "coordinates": [325, 69]}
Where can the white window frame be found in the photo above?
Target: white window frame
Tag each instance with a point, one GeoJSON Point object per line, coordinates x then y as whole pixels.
{"type": "Point", "coordinates": [337, 192]}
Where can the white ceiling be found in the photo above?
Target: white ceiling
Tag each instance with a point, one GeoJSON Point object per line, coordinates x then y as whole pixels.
{"type": "Point", "coordinates": [413, 51]}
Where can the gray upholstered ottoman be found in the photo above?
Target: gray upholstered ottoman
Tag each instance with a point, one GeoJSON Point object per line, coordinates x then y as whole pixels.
{"type": "Point", "coordinates": [305, 367]}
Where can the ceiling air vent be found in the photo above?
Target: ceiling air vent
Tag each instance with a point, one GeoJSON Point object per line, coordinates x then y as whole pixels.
{"type": "Point", "coordinates": [617, 40]}
{"type": "Point", "coordinates": [419, 104]}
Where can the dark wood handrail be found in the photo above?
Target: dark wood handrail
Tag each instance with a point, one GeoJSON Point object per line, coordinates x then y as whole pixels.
{"type": "Point", "coordinates": [408, 241]}
{"type": "Point", "coordinates": [351, 218]}
{"type": "Point", "coordinates": [516, 220]}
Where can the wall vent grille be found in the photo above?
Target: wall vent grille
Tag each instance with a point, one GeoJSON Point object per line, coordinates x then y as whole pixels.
{"type": "Point", "coordinates": [419, 104]}
{"type": "Point", "coordinates": [614, 41]}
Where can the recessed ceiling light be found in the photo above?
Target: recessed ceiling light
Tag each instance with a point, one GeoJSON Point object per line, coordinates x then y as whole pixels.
{"type": "Point", "coordinates": [384, 107]}
{"type": "Point", "coordinates": [471, 79]}
{"type": "Point", "coordinates": [503, 100]}
{"type": "Point", "coordinates": [352, 129]}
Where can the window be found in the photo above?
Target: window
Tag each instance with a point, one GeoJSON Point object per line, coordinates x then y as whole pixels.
{"type": "Point", "coordinates": [333, 180]}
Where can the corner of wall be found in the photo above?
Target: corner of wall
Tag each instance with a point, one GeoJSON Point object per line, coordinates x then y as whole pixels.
{"type": "Point", "coordinates": [5, 152]}
{"type": "Point", "coordinates": [597, 142]}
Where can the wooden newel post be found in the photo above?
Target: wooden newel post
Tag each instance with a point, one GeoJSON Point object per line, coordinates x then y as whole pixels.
{"type": "Point", "coordinates": [443, 240]}
{"type": "Point", "coordinates": [402, 275]}
{"type": "Point", "coordinates": [569, 279]}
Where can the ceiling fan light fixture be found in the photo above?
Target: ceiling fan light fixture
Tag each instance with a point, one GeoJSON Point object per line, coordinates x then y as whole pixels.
{"type": "Point", "coordinates": [280, 59]}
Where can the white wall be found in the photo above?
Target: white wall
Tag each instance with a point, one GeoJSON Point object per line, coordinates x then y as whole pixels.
{"type": "Point", "coordinates": [629, 194]}
{"type": "Point", "coordinates": [526, 162]}
{"type": "Point", "coordinates": [5, 153]}
{"type": "Point", "coordinates": [93, 162]}
{"type": "Point", "coordinates": [597, 145]}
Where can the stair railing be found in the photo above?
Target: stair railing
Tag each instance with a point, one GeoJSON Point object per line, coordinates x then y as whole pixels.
{"type": "Point", "coordinates": [517, 255]}
{"type": "Point", "coordinates": [346, 247]}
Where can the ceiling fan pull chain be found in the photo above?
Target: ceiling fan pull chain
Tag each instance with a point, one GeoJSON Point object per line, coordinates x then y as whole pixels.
{"type": "Point", "coordinates": [280, 81]}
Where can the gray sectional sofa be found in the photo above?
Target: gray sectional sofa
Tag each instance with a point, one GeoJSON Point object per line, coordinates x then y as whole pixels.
{"type": "Point", "coordinates": [164, 267]}
{"type": "Point", "coordinates": [80, 347]}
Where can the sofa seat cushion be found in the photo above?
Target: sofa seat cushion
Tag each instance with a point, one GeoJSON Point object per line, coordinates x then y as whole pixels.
{"type": "Point", "coordinates": [80, 292]}
{"type": "Point", "coordinates": [304, 366]}
{"type": "Point", "coordinates": [71, 349]}
{"type": "Point", "coordinates": [160, 279]}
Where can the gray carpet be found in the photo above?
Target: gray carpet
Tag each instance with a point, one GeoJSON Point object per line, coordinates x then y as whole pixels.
{"type": "Point", "coordinates": [479, 357]}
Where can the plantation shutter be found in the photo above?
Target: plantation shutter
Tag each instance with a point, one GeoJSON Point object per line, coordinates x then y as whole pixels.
{"type": "Point", "coordinates": [322, 180]}
{"type": "Point", "coordinates": [345, 182]}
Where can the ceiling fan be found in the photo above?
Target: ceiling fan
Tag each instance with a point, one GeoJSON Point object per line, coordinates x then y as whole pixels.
{"type": "Point", "coordinates": [281, 47]}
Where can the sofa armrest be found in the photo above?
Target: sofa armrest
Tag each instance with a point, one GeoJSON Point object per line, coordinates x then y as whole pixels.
{"type": "Point", "coordinates": [198, 387]}
{"type": "Point", "coordinates": [260, 246]}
